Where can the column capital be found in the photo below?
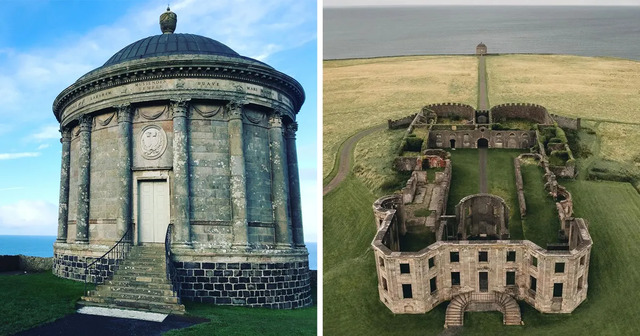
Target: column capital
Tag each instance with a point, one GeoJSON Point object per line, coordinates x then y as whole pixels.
{"type": "Point", "coordinates": [65, 134]}
{"type": "Point", "coordinates": [234, 108]}
{"type": "Point", "coordinates": [125, 112]}
{"type": "Point", "coordinates": [275, 119]}
{"type": "Point", "coordinates": [86, 122]}
{"type": "Point", "coordinates": [290, 130]}
{"type": "Point", "coordinates": [179, 107]}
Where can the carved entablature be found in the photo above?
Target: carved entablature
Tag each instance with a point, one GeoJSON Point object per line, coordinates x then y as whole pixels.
{"type": "Point", "coordinates": [104, 120]}
{"type": "Point", "coordinates": [264, 87]}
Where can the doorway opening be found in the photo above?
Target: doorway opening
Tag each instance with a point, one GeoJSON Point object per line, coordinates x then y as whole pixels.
{"type": "Point", "coordinates": [483, 143]}
{"type": "Point", "coordinates": [483, 280]}
{"type": "Point", "coordinates": [153, 211]}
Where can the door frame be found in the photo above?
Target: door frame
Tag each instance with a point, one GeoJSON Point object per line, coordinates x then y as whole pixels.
{"type": "Point", "coordinates": [480, 282]}
{"type": "Point", "coordinates": [148, 176]}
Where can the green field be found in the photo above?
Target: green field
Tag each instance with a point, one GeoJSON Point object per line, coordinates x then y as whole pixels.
{"type": "Point", "coordinates": [30, 300]}
{"type": "Point", "coordinates": [352, 307]}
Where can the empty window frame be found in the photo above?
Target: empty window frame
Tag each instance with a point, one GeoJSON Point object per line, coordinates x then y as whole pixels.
{"type": "Point", "coordinates": [534, 261]}
{"type": "Point", "coordinates": [433, 285]}
{"type": "Point", "coordinates": [557, 290]}
{"type": "Point", "coordinates": [432, 262]}
{"type": "Point", "coordinates": [580, 283]}
{"type": "Point", "coordinates": [511, 278]}
{"type": "Point", "coordinates": [407, 293]}
{"type": "Point", "coordinates": [455, 278]}
{"type": "Point", "coordinates": [405, 269]}
{"type": "Point", "coordinates": [483, 256]}
{"type": "Point", "coordinates": [454, 256]}
{"type": "Point", "coordinates": [559, 267]}
{"type": "Point", "coordinates": [532, 283]}
{"type": "Point", "coordinates": [511, 255]}
{"type": "Point", "coordinates": [380, 261]}
{"type": "Point", "coordinates": [384, 284]}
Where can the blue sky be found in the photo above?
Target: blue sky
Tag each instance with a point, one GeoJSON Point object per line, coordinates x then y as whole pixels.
{"type": "Point", "coordinates": [46, 45]}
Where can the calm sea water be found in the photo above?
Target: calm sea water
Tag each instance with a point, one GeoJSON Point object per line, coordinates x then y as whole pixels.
{"type": "Point", "coordinates": [384, 31]}
{"type": "Point", "coordinates": [42, 246]}
{"type": "Point", "coordinates": [37, 246]}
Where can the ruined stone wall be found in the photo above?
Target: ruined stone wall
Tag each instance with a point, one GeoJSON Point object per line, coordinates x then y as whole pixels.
{"type": "Point", "coordinates": [447, 110]}
{"type": "Point", "coordinates": [210, 196]}
{"type": "Point", "coordinates": [469, 138]}
{"type": "Point", "coordinates": [527, 111]}
{"type": "Point", "coordinates": [530, 261]}
{"type": "Point", "coordinates": [400, 123]}
{"type": "Point", "coordinates": [258, 175]}
{"type": "Point", "coordinates": [567, 122]}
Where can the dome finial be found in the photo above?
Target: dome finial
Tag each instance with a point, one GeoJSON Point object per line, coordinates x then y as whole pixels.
{"type": "Point", "coordinates": [168, 21]}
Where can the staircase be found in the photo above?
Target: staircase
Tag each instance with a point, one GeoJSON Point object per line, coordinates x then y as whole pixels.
{"type": "Point", "coordinates": [501, 302]}
{"type": "Point", "coordinates": [454, 316]}
{"type": "Point", "coordinates": [140, 283]}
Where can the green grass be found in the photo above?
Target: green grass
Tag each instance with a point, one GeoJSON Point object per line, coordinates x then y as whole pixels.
{"type": "Point", "coordinates": [502, 182]}
{"type": "Point", "coordinates": [464, 176]}
{"type": "Point", "coordinates": [373, 159]}
{"type": "Point", "coordinates": [33, 299]}
{"type": "Point", "coordinates": [541, 223]}
{"type": "Point", "coordinates": [249, 321]}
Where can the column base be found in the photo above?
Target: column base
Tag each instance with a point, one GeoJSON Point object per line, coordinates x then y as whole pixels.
{"type": "Point", "coordinates": [61, 240]}
{"type": "Point", "coordinates": [82, 242]}
{"type": "Point", "coordinates": [182, 245]}
{"type": "Point", "coordinates": [283, 246]}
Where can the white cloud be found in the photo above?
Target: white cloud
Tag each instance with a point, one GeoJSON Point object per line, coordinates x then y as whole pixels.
{"type": "Point", "coordinates": [29, 217]}
{"type": "Point", "coordinates": [11, 156]}
{"type": "Point", "coordinates": [43, 146]}
{"type": "Point", "coordinates": [46, 132]}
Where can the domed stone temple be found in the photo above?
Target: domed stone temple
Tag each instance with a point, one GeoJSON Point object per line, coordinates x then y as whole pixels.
{"type": "Point", "coordinates": [179, 169]}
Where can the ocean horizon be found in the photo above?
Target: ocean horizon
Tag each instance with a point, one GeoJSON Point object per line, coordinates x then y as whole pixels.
{"type": "Point", "coordinates": [42, 246]}
{"type": "Point", "coordinates": [365, 32]}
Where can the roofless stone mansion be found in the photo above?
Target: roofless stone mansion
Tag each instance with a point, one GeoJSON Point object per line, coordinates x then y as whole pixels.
{"type": "Point", "coordinates": [179, 159]}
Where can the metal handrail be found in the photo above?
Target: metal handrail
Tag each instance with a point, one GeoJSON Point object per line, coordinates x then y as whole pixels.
{"type": "Point", "coordinates": [117, 253]}
{"type": "Point", "coordinates": [171, 269]}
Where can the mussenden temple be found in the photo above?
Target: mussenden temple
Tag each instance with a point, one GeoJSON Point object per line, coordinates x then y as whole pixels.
{"type": "Point", "coordinates": [179, 179]}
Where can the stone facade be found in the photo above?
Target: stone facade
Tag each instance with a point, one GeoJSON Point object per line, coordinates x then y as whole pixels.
{"type": "Point", "coordinates": [214, 134]}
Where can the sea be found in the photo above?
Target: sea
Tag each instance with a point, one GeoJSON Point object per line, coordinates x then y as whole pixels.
{"type": "Point", "coordinates": [42, 246]}
{"type": "Point", "coordinates": [362, 32]}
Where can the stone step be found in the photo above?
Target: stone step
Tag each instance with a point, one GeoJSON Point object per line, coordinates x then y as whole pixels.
{"type": "Point", "coordinates": [138, 284]}
{"type": "Point", "coordinates": [140, 278]}
{"type": "Point", "coordinates": [133, 296]}
{"type": "Point", "coordinates": [160, 273]}
{"type": "Point", "coordinates": [143, 268]}
{"type": "Point", "coordinates": [132, 304]}
{"type": "Point", "coordinates": [137, 290]}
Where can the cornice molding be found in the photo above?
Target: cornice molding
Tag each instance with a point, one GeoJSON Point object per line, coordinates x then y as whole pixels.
{"type": "Point", "coordinates": [123, 74]}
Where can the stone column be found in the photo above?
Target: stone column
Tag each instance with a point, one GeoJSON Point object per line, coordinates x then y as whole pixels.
{"type": "Point", "coordinates": [125, 183]}
{"type": "Point", "coordinates": [294, 185]}
{"type": "Point", "coordinates": [181, 203]}
{"type": "Point", "coordinates": [279, 181]}
{"type": "Point", "coordinates": [84, 165]}
{"type": "Point", "coordinates": [63, 209]}
{"type": "Point", "coordinates": [238, 179]}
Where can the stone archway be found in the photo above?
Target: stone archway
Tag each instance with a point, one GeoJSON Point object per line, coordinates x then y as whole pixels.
{"type": "Point", "coordinates": [483, 143]}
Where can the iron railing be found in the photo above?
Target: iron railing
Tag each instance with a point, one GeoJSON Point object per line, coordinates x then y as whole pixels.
{"type": "Point", "coordinates": [102, 268]}
{"type": "Point", "coordinates": [171, 269]}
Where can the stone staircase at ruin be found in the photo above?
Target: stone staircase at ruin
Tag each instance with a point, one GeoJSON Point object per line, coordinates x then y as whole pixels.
{"type": "Point", "coordinates": [501, 302]}
{"type": "Point", "coordinates": [140, 283]}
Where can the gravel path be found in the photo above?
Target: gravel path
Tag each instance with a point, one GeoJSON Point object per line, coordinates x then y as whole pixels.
{"type": "Point", "coordinates": [344, 159]}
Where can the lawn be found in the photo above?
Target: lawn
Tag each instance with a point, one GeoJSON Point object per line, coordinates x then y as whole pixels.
{"type": "Point", "coordinates": [542, 223]}
{"type": "Point", "coordinates": [465, 179]}
{"type": "Point", "coordinates": [34, 299]}
{"type": "Point", "coordinates": [352, 307]}
{"type": "Point", "coordinates": [362, 93]}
